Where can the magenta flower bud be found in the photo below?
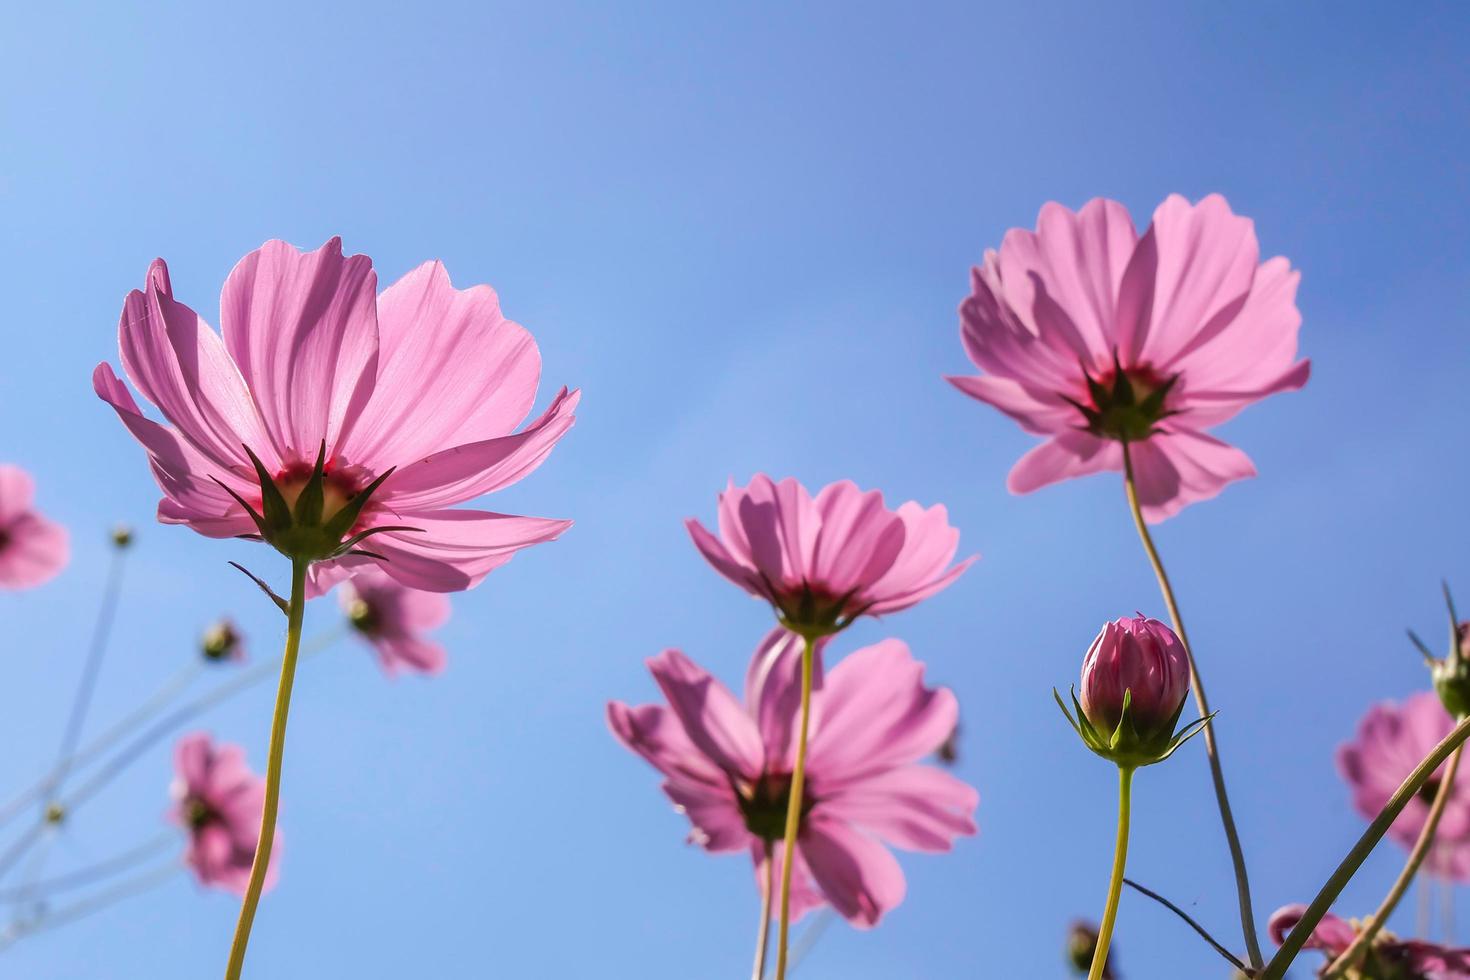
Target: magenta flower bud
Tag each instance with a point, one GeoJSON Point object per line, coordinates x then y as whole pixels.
{"type": "Point", "coordinates": [1141, 656]}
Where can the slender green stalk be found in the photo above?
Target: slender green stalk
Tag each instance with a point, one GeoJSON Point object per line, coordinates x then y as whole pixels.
{"type": "Point", "coordinates": [793, 806]}
{"type": "Point", "coordinates": [762, 939]}
{"type": "Point", "coordinates": [1364, 940]}
{"type": "Point", "coordinates": [295, 613]}
{"type": "Point", "coordinates": [1212, 750]}
{"type": "Point", "coordinates": [1276, 969]}
{"type": "Point", "coordinates": [93, 873]}
{"type": "Point", "coordinates": [1115, 883]}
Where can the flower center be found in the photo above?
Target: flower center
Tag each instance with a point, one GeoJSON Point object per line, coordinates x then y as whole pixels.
{"type": "Point", "coordinates": [362, 616]}
{"type": "Point", "coordinates": [1125, 404]}
{"type": "Point", "coordinates": [199, 814]}
{"type": "Point", "coordinates": [4, 538]}
{"type": "Point", "coordinates": [340, 483]}
{"type": "Point", "coordinates": [763, 805]}
{"type": "Point", "coordinates": [1429, 790]}
{"type": "Point", "coordinates": [808, 610]}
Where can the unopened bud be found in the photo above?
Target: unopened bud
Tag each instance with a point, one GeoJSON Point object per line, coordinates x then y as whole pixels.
{"type": "Point", "coordinates": [1081, 946]}
{"type": "Point", "coordinates": [122, 536]}
{"type": "Point", "coordinates": [222, 642]}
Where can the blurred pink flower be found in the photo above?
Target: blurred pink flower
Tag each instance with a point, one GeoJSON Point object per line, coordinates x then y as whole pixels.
{"type": "Point", "coordinates": [1401, 959]}
{"type": "Point", "coordinates": [218, 802]}
{"type": "Point", "coordinates": [391, 618]}
{"type": "Point", "coordinates": [728, 767]}
{"type": "Point", "coordinates": [1141, 656]}
{"type": "Point", "coordinates": [1392, 740]}
{"type": "Point", "coordinates": [822, 562]}
{"type": "Point", "coordinates": [33, 549]}
{"type": "Point", "coordinates": [426, 378]}
{"type": "Point", "coordinates": [1187, 312]}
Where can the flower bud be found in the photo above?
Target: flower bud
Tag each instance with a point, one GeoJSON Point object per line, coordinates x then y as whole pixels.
{"type": "Point", "coordinates": [1144, 659]}
{"type": "Point", "coordinates": [222, 642]}
{"type": "Point", "coordinates": [1081, 946]}
{"type": "Point", "coordinates": [122, 536]}
{"type": "Point", "coordinates": [1134, 682]}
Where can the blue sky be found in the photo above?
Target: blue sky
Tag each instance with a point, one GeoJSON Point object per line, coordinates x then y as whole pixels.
{"type": "Point", "coordinates": [743, 232]}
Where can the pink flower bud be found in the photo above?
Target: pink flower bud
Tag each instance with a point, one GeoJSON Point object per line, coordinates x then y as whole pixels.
{"type": "Point", "coordinates": [1143, 656]}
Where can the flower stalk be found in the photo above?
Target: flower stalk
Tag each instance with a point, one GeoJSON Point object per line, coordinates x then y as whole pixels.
{"type": "Point", "coordinates": [1212, 750]}
{"type": "Point", "coordinates": [763, 938]}
{"type": "Point", "coordinates": [1115, 882]}
{"type": "Point", "coordinates": [793, 805]}
{"type": "Point", "coordinates": [296, 609]}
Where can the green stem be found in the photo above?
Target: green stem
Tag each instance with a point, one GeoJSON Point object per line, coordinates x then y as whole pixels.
{"type": "Point", "coordinates": [1212, 750]}
{"type": "Point", "coordinates": [793, 807]}
{"type": "Point", "coordinates": [1115, 884]}
{"type": "Point", "coordinates": [1364, 940]}
{"type": "Point", "coordinates": [295, 613]}
{"type": "Point", "coordinates": [1276, 969]}
{"type": "Point", "coordinates": [764, 936]}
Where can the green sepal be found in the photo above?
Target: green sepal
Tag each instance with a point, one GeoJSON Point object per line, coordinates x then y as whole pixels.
{"type": "Point", "coordinates": [1123, 746]}
{"type": "Point", "coordinates": [273, 505]}
{"type": "Point", "coordinates": [312, 499]}
{"type": "Point", "coordinates": [281, 604]}
{"type": "Point", "coordinates": [260, 524]}
{"type": "Point", "coordinates": [1122, 387]}
{"type": "Point", "coordinates": [351, 542]}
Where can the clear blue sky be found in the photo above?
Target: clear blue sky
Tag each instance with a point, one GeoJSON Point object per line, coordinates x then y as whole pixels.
{"type": "Point", "coordinates": [744, 234]}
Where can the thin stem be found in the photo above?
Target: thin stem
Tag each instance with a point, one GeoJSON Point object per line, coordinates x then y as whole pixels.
{"type": "Point", "coordinates": [295, 613]}
{"type": "Point", "coordinates": [88, 906]}
{"type": "Point", "coordinates": [1447, 911]}
{"type": "Point", "coordinates": [1212, 750]}
{"type": "Point", "coordinates": [1189, 921]}
{"type": "Point", "coordinates": [1422, 846]}
{"type": "Point", "coordinates": [101, 631]}
{"type": "Point", "coordinates": [763, 937]}
{"type": "Point", "coordinates": [1115, 883]}
{"type": "Point", "coordinates": [93, 873]}
{"type": "Point", "coordinates": [793, 807]}
{"type": "Point", "coordinates": [803, 946]}
{"type": "Point", "coordinates": [1421, 918]}
{"type": "Point", "coordinates": [1276, 969]}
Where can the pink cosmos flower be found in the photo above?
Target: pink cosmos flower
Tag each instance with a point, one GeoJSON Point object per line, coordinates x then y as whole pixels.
{"type": "Point", "coordinates": [1088, 333]}
{"type": "Point", "coordinates": [1390, 957]}
{"type": "Point", "coordinates": [822, 562]}
{"type": "Point", "coordinates": [392, 618]}
{"type": "Point", "coordinates": [1392, 740]}
{"type": "Point", "coordinates": [728, 767]}
{"type": "Point", "coordinates": [33, 549]}
{"type": "Point", "coordinates": [426, 382]}
{"type": "Point", "coordinates": [218, 802]}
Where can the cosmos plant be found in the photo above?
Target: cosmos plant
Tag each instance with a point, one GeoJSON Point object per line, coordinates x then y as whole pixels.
{"type": "Point", "coordinates": [350, 432]}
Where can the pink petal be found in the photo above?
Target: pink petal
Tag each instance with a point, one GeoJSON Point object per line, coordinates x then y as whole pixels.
{"type": "Point", "coordinates": [191, 495]}
{"type": "Point", "coordinates": [454, 550]}
{"type": "Point", "coordinates": [714, 721]}
{"type": "Point", "coordinates": [718, 823]}
{"type": "Point", "coordinates": [451, 370]}
{"type": "Point", "coordinates": [877, 714]}
{"type": "Point", "coordinates": [773, 694]}
{"type": "Point", "coordinates": [1332, 934]}
{"type": "Point", "coordinates": [1068, 455]}
{"type": "Point", "coordinates": [17, 492]}
{"type": "Point", "coordinates": [916, 807]}
{"type": "Point", "coordinates": [1176, 469]}
{"type": "Point", "coordinates": [923, 568]}
{"type": "Point", "coordinates": [656, 733]}
{"type": "Point", "coordinates": [804, 894]}
{"type": "Point", "coordinates": [857, 874]}
{"type": "Point", "coordinates": [1038, 413]}
{"type": "Point", "coordinates": [1062, 278]}
{"type": "Point", "coordinates": [192, 760]}
{"type": "Point", "coordinates": [1200, 260]}
{"type": "Point", "coordinates": [410, 653]}
{"type": "Point", "coordinates": [302, 327]}
{"type": "Point", "coordinates": [179, 364]}
{"type": "Point", "coordinates": [464, 472]}
{"type": "Point", "coordinates": [857, 539]}
{"type": "Point", "coordinates": [715, 552]}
